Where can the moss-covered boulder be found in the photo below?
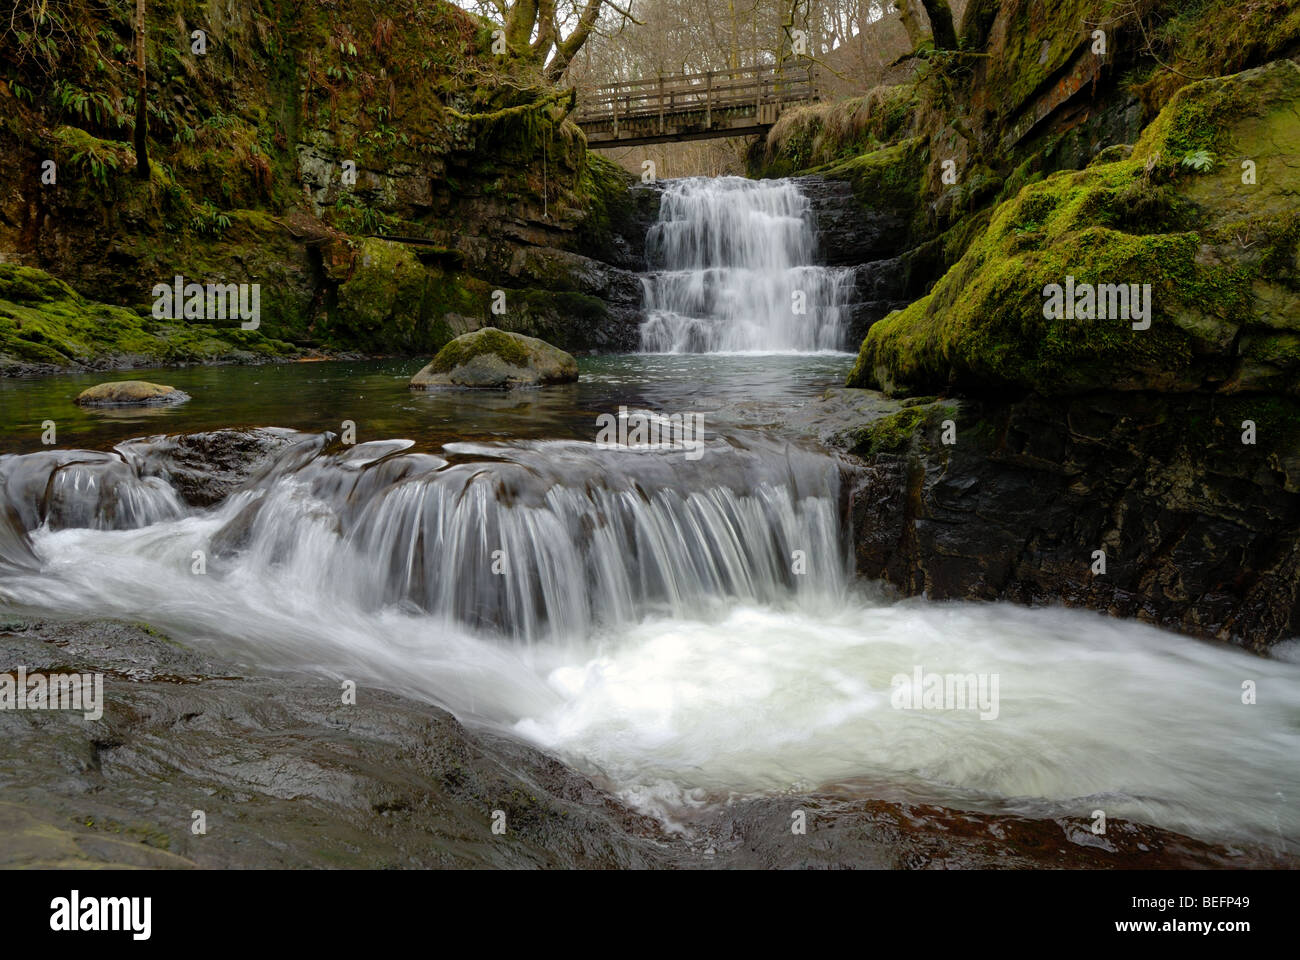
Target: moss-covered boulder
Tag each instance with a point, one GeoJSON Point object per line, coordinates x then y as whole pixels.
{"type": "Point", "coordinates": [1200, 222]}
{"type": "Point", "coordinates": [496, 359]}
{"type": "Point", "coordinates": [123, 393]}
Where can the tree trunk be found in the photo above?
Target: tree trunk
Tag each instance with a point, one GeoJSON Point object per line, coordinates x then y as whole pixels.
{"type": "Point", "coordinates": [911, 22]}
{"type": "Point", "coordinates": [570, 45]}
{"type": "Point", "coordinates": [519, 25]}
{"type": "Point", "coordinates": [977, 22]}
{"type": "Point", "coordinates": [141, 93]}
{"type": "Point", "coordinates": [940, 14]}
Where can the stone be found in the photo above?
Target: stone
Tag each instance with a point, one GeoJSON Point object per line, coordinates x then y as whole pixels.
{"type": "Point", "coordinates": [496, 359]}
{"type": "Point", "coordinates": [121, 393]}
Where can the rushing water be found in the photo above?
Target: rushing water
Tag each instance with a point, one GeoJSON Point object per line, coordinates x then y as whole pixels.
{"type": "Point", "coordinates": [685, 630]}
{"type": "Point", "coordinates": [649, 624]}
{"type": "Point", "coordinates": [732, 269]}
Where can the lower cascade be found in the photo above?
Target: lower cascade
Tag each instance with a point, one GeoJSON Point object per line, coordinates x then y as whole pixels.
{"type": "Point", "coordinates": [731, 269]}
{"type": "Point", "coordinates": [687, 636]}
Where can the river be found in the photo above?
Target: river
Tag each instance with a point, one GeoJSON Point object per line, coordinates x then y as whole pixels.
{"type": "Point", "coordinates": [686, 631]}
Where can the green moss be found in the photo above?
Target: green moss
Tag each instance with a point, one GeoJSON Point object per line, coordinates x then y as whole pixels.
{"type": "Point", "coordinates": [824, 133]}
{"type": "Point", "coordinates": [1200, 38]}
{"type": "Point", "coordinates": [44, 321]}
{"type": "Point", "coordinates": [489, 340]}
{"type": "Point", "coordinates": [894, 433]}
{"type": "Point", "coordinates": [603, 193]}
{"type": "Point", "coordinates": [1038, 41]}
{"type": "Point", "coordinates": [1124, 222]}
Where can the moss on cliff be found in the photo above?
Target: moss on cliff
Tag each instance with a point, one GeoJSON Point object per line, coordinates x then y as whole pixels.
{"type": "Point", "coordinates": [823, 133]}
{"type": "Point", "coordinates": [1140, 220]}
{"type": "Point", "coordinates": [249, 146]}
{"type": "Point", "coordinates": [45, 323]}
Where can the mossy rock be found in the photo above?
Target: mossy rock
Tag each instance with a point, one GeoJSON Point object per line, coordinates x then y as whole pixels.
{"type": "Point", "coordinates": [386, 286]}
{"type": "Point", "coordinates": [496, 359]}
{"type": "Point", "coordinates": [1194, 237]}
{"type": "Point", "coordinates": [46, 325]}
{"type": "Point", "coordinates": [122, 393]}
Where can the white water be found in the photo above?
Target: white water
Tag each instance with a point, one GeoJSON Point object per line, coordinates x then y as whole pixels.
{"type": "Point", "coordinates": [732, 269]}
{"type": "Point", "coordinates": [677, 657]}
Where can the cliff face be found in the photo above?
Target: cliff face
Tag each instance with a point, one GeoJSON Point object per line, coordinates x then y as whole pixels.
{"type": "Point", "coordinates": [372, 165]}
{"type": "Point", "coordinates": [1139, 505]}
{"type": "Point", "coordinates": [1137, 456]}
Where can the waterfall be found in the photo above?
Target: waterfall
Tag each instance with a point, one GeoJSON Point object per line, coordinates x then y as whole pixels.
{"type": "Point", "coordinates": [525, 541]}
{"type": "Point", "coordinates": [731, 269]}
{"type": "Point", "coordinates": [686, 634]}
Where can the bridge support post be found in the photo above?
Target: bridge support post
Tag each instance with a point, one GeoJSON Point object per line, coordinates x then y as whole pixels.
{"type": "Point", "coordinates": [661, 103]}
{"type": "Point", "coordinates": [708, 100]}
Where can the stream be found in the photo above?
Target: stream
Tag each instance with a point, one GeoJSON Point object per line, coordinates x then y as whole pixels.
{"type": "Point", "coordinates": [686, 631]}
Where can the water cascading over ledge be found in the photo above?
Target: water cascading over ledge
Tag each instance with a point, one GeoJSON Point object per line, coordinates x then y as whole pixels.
{"type": "Point", "coordinates": [526, 541]}
{"type": "Point", "coordinates": [731, 269]}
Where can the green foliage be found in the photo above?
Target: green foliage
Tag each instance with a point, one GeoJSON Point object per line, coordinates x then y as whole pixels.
{"type": "Point", "coordinates": [1202, 161]}
{"type": "Point", "coordinates": [359, 218]}
{"type": "Point", "coordinates": [207, 219]}
{"type": "Point", "coordinates": [90, 106]}
{"type": "Point", "coordinates": [98, 164]}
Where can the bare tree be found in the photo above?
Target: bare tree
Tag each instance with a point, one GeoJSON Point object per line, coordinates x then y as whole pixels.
{"type": "Point", "coordinates": [551, 32]}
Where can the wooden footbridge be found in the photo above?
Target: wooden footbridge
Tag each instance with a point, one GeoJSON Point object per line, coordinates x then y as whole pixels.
{"type": "Point", "coordinates": [696, 106]}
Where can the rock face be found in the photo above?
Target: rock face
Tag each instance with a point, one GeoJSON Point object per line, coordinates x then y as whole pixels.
{"type": "Point", "coordinates": [1165, 440]}
{"type": "Point", "coordinates": [363, 234]}
{"type": "Point", "coordinates": [494, 359]}
{"type": "Point", "coordinates": [123, 393]}
{"type": "Point", "coordinates": [1200, 532]}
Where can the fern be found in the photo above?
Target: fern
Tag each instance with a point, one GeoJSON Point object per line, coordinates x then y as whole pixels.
{"type": "Point", "coordinates": [1202, 161]}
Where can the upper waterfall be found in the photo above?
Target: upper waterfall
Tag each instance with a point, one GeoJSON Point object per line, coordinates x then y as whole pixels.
{"type": "Point", "coordinates": [731, 269]}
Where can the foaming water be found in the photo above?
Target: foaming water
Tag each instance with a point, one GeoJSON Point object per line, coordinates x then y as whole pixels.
{"type": "Point", "coordinates": [1093, 713]}
{"type": "Point", "coordinates": [732, 271]}
{"type": "Point", "coordinates": [684, 635]}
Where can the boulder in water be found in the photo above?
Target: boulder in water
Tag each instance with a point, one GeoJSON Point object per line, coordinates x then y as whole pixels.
{"type": "Point", "coordinates": [130, 392]}
{"type": "Point", "coordinates": [496, 359]}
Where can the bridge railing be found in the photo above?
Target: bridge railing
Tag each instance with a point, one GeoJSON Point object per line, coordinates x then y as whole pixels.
{"type": "Point", "coordinates": [715, 90]}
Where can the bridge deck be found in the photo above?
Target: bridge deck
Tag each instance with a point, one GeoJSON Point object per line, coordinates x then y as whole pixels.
{"type": "Point", "coordinates": [724, 103]}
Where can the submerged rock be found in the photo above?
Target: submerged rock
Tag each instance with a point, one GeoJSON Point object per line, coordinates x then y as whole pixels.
{"type": "Point", "coordinates": [496, 359]}
{"type": "Point", "coordinates": [205, 467]}
{"type": "Point", "coordinates": [123, 393]}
